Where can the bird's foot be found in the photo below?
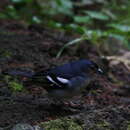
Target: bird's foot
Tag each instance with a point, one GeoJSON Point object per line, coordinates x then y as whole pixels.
{"type": "Point", "coordinates": [73, 105]}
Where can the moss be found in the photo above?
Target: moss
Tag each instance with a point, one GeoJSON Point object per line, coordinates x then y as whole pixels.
{"type": "Point", "coordinates": [15, 86]}
{"type": "Point", "coordinates": [128, 127]}
{"type": "Point", "coordinates": [61, 124]}
{"type": "Point", "coordinates": [103, 125]}
{"type": "Point", "coordinates": [5, 53]}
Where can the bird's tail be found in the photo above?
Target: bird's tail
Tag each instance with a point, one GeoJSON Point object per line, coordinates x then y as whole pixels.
{"type": "Point", "coordinates": [35, 77]}
{"type": "Point", "coordinates": [28, 74]}
{"type": "Point", "coordinates": [25, 73]}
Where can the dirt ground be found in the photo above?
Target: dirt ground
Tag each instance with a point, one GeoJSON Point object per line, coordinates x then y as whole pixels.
{"type": "Point", "coordinates": [105, 103]}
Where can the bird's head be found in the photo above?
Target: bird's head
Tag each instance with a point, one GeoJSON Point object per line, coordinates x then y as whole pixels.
{"type": "Point", "coordinates": [92, 67]}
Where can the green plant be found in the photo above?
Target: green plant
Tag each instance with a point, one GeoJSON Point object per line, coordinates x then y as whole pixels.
{"type": "Point", "coordinates": [111, 19]}
{"type": "Point", "coordinates": [15, 86]}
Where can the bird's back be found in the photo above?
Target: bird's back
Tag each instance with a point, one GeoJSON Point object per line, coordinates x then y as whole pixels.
{"type": "Point", "coordinates": [68, 70]}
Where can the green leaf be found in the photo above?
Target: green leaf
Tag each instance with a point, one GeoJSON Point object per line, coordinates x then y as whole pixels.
{"type": "Point", "coordinates": [21, 1]}
{"type": "Point", "coordinates": [65, 6]}
{"type": "Point", "coordinates": [12, 12]}
{"type": "Point", "coordinates": [81, 19]}
{"type": "Point", "coordinates": [3, 16]}
{"type": "Point", "coordinates": [15, 86]}
{"type": "Point", "coordinates": [36, 20]}
{"type": "Point", "coordinates": [54, 24]}
{"type": "Point", "coordinates": [97, 15]}
{"type": "Point", "coordinates": [117, 36]}
{"type": "Point", "coordinates": [123, 28]}
{"type": "Point", "coordinates": [75, 28]}
{"type": "Point", "coordinates": [56, 7]}
{"type": "Point", "coordinates": [122, 38]}
{"type": "Point", "coordinates": [94, 35]}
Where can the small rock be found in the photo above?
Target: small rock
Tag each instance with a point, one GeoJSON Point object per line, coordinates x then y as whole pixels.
{"type": "Point", "coordinates": [36, 127]}
{"type": "Point", "coordinates": [23, 127]}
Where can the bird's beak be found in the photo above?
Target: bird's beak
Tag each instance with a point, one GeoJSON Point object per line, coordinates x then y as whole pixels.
{"type": "Point", "coordinates": [100, 71]}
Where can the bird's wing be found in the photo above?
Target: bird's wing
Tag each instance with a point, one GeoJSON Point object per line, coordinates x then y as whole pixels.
{"type": "Point", "coordinates": [61, 76]}
{"type": "Point", "coordinates": [59, 81]}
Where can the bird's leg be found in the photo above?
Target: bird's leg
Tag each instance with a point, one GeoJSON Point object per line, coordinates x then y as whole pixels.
{"type": "Point", "coordinates": [65, 103]}
{"type": "Point", "coordinates": [72, 104]}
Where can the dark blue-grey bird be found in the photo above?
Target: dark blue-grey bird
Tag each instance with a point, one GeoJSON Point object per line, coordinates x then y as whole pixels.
{"type": "Point", "coordinates": [67, 80]}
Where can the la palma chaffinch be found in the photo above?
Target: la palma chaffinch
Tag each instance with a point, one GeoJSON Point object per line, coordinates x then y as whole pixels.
{"type": "Point", "coordinates": [67, 80]}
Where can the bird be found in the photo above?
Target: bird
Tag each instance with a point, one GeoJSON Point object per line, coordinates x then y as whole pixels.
{"type": "Point", "coordinates": [67, 80]}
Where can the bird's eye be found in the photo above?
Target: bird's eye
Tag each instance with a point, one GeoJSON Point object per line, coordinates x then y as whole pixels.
{"type": "Point", "coordinates": [95, 68]}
